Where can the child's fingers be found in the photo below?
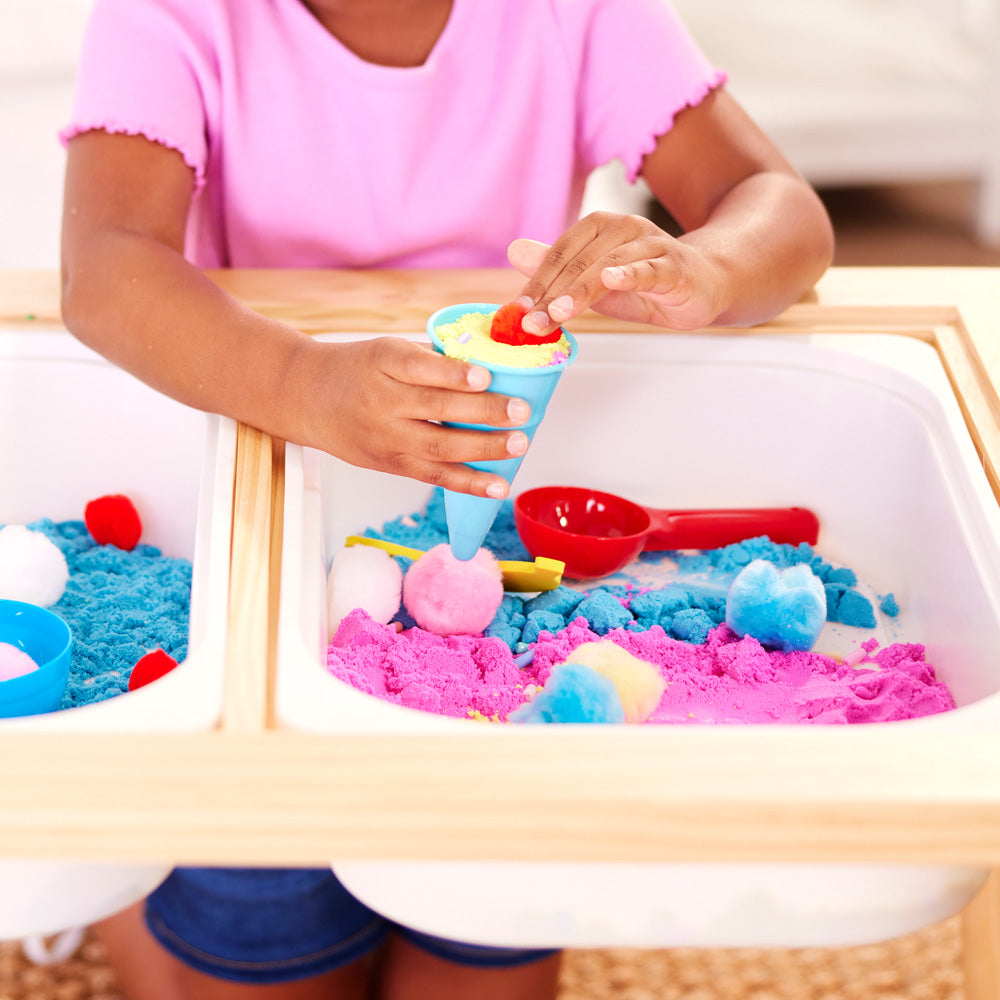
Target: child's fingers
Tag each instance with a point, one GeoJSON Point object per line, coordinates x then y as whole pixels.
{"type": "Point", "coordinates": [435, 387]}
{"type": "Point", "coordinates": [526, 255]}
{"type": "Point", "coordinates": [424, 438]}
{"type": "Point", "coordinates": [385, 403]}
{"type": "Point", "coordinates": [568, 279]}
{"type": "Point", "coordinates": [419, 364]}
{"type": "Point", "coordinates": [562, 264]}
{"type": "Point", "coordinates": [425, 391]}
{"type": "Point", "coordinates": [458, 479]}
{"type": "Point", "coordinates": [436, 455]}
{"type": "Point", "coordinates": [680, 289]}
{"type": "Point", "coordinates": [488, 408]}
{"type": "Point", "coordinates": [635, 261]}
{"type": "Point", "coordinates": [662, 276]}
{"type": "Point", "coordinates": [635, 265]}
{"type": "Point", "coordinates": [434, 443]}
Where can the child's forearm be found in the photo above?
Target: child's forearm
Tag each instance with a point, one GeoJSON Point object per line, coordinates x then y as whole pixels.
{"type": "Point", "coordinates": [144, 307]}
{"type": "Point", "coordinates": [381, 403]}
{"type": "Point", "coordinates": [771, 239]}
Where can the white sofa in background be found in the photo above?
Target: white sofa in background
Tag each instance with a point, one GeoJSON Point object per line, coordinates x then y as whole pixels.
{"type": "Point", "coordinates": [868, 91]}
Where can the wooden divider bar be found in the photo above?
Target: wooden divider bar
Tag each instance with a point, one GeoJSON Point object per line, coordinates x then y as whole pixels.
{"type": "Point", "coordinates": [249, 633]}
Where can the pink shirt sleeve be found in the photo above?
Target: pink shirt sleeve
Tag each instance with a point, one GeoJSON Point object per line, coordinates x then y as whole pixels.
{"type": "Point", "coordinates": [144, 70]}
{"type": "Point", "coordinates": [639, 68]}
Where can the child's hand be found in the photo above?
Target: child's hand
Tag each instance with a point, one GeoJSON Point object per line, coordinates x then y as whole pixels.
{"type": "Point", "coordinates": [376, 404]}
{"type": "Point", "coordinates": [623, 266]}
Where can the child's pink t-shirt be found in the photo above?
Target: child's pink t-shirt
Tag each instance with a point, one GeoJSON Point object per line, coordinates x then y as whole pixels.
{"type": "Point", "coordinates": [307, 156]}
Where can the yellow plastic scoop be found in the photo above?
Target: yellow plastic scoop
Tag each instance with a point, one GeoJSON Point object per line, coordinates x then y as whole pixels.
{"type": "Point", "coordinates": [527, 577]}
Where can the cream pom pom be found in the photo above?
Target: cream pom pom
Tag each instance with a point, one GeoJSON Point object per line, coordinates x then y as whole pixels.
{"type": "Point", "coordinates": [32, 568]}
{"type": "Point", "coordinates": [639, 684]}
{"type": "Point", "coordinates": [362, 576]}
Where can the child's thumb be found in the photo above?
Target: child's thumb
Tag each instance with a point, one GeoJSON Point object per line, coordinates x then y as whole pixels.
{"type": "Point", "coordinates": [526, 255]}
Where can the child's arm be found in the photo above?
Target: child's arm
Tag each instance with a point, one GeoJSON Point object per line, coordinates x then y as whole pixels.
{"type": "Point", "coordinates": [756, 236]}
{"type": "Point", "coordinates": [129, 293]}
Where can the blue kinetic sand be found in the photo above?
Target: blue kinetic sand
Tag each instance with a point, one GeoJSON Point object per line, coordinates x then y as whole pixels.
{"type": "Point", "coordinates": [686, 610]}
{"type": "Point", "coordinates": [888, 606]}
{"type": "Point", "coordinates": [119, 606]}
{"type": "Point", "coordinates": [726, 562]}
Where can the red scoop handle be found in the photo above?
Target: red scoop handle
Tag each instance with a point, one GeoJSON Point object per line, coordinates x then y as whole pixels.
{"type": "Point", "coordinates": [710, 529]}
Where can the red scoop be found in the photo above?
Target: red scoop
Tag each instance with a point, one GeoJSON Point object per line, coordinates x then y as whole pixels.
{"type": "Point", "coordinates": [596, 534]}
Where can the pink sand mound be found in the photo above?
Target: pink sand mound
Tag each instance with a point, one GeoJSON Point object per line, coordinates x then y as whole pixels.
{"type": "Point", "coordinates": [725, 680]}
{"type": "Point", "coordinates": [454, 675]}
{"type": "Point", "coordinates": [734, 680]}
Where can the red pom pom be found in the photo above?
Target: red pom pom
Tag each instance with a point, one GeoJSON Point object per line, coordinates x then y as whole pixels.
{"type": "Point", "coordinates": [506, 328]}
{"type": "Point", "coordinates": [150, 667]}
{"type": "Point", "coordinates": [113, 520]}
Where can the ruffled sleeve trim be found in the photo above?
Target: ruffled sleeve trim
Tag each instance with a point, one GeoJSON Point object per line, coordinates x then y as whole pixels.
{"type": "Point", "coordinates": [118, 128]}
{"type": "Point", "coordinates": [634, 163]}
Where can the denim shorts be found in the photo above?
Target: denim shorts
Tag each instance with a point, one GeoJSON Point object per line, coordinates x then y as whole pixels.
{"type": "Point", "coordinates": [274, 925]}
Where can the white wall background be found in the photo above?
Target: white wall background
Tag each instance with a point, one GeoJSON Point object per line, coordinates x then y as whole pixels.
{"type": "Point", "coordinates": [39, 43]}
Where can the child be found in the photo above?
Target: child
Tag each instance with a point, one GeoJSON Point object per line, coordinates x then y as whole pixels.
{"type": "Point", "coordinates": [390, 133]}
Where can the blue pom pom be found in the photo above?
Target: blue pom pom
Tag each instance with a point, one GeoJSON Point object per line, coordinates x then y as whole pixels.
{"type": "Point", "coordinates": [573, 693]}
{"type": "Point", "coordinates": [781, 609]}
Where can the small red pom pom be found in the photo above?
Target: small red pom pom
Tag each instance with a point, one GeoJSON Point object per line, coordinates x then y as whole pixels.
{"type": "Point", "coordinates": [506, 328]}
{"type": "Point", "coordinates": [113, 520]}
{"type": "Point", "coordinates": [150, 667]}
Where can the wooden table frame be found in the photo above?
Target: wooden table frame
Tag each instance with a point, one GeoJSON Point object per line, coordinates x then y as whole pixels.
{"type": "Point", "coordinates": [250, 792]}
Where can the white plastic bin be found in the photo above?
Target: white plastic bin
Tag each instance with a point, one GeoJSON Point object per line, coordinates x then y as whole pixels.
{"type": "Point", "coordinates": [865, 430]}
{"type": "Point", "coordinates": [75, 428]}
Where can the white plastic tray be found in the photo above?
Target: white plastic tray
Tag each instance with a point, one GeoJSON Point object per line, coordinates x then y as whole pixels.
{"type": "Point", "coordinates": [862, 428]}
{"type": "Point", "coordinates": [75, 428]}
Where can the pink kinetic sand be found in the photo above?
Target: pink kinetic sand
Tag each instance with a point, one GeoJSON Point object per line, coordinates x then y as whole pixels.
{"type": "Point", "coordinates": [724, 680]}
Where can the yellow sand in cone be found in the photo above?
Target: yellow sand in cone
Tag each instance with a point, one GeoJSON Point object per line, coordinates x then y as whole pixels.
{"type": "Point", "coordinates": [468, 339]}
{"type": "Point", "coordinates": [470, 518]}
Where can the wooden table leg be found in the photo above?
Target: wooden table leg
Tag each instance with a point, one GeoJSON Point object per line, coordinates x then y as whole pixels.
{"type": "Point", "coordinates": [981, 942]}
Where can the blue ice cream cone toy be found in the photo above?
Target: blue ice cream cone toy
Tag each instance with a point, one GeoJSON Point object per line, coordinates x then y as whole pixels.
{"type": "Point", "coordinates": [470, 518]}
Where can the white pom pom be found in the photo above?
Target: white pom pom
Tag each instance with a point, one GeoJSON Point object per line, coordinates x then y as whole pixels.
{"type": "Point", "coordinates": [32, 569]}
{"type": "Point", "coordinates": [362, 576]}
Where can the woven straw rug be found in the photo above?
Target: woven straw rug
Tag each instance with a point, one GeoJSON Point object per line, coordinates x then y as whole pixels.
{"type": "Point", "coordinates": [922, 966]}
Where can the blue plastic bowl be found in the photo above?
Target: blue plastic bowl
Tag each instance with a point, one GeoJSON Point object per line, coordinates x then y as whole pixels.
{"type": "Point", "coordinates": [47, 639]}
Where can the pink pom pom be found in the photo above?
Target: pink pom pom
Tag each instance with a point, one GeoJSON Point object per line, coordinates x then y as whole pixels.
{"type": "Point", "coordinates": [447, 596]}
